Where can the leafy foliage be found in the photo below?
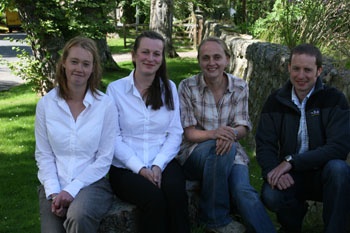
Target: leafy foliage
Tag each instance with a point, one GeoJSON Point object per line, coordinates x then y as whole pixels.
{"type": "Point", "coordinates": [324, 23]}
{"type": "Point", "coordinates": [49, 24]}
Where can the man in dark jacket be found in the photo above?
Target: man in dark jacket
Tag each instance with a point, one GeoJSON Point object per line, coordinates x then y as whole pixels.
{"type": "Point", "coordinates": [302, 143]}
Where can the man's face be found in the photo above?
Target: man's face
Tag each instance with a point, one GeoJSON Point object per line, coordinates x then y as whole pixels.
{"type": "Point", "coordinates": [303, 73]}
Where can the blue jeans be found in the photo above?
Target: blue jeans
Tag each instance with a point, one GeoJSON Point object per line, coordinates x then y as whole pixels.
{"type": "Point", "coordinates": [330, 185]}
{"type": "Point", "coordinates": [225, 183]}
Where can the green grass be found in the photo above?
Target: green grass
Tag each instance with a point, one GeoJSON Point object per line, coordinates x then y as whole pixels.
{"type": "Point", "coordinates": [18, 198]}
{"type": "Point", "coordinates": [116, 45]}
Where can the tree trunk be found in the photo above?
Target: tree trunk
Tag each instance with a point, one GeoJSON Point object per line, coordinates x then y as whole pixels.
{"type": "Point", "coordinates": [161, 20]}
{"type": "Point", "coordinates": [47, 42]}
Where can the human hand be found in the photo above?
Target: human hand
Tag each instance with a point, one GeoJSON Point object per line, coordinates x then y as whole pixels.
{"type": "Point", "coordinates": [275, 174]}
{"type": "Point", "coordinates": [148, 174]}
{"type": "Point", "coordinates": [285, 181]}
{"type": "Point", "coordinates": [157, 175]}
{"type": "Point", "coordinates": [60, 203]}
{"type": "Point", "coordinates": [225, 133]}
{"type": "Point", "coordinates": [223, 146]}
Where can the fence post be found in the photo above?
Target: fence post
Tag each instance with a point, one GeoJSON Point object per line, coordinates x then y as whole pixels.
{"type": "Point", "coordinates": [124, 29]}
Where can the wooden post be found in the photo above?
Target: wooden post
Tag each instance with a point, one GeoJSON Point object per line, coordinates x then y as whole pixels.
{"type": "Point", "coordinates": [194, 30]}
{"type": "Point", "coordinates": [124, 30]}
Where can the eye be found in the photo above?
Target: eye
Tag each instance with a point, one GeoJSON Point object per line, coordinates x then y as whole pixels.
{"type": "Point", "coordinates": [205, 58]}
{"type": "Point", "coordinates": [87, 64]}
{"type": "Point", "coordinates": [217, 57]}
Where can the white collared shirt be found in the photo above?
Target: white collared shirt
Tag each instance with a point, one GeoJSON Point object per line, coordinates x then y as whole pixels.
{"type": "Point", "coordinates": [73, 154]}
{"type": "Point", "coordinates": [303, 136]}
{"type": "Point", "coordinates": [145, 137]}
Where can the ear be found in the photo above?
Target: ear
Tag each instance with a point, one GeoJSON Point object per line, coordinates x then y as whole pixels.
{"type": "Point", "coordinates": [319, 71]}
{"type": "Point", "coordinates": [133, 54]}
{"type": "Point", "coordinates": [289, 67]}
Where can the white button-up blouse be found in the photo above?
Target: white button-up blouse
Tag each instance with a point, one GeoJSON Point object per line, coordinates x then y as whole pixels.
{"type": "Point", "coordinates": [73, 154]}
{"type": "Point", "coordinates": [145, 137]}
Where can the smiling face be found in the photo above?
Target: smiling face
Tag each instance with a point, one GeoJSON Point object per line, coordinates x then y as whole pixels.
{"type": "Point", "coordinates": [303, 73]}
{"type": "Point", "coordinates": [212, 60]}
{"type": "Point", "coordinates": [78, 67]}
{"type": "Point", "coordinates": [148, 57]}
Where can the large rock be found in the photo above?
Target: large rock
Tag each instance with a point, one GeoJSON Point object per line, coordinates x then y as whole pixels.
{"type": "Point", "coordinates": [122, 217]}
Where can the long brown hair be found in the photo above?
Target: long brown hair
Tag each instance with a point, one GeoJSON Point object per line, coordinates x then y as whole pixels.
{"type": "Point", "coordinates": [95, 78]}
{"type": "Point", "coordinates": [154, 92]}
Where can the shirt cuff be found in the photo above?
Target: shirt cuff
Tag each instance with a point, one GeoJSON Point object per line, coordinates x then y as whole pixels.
{"type": "Point", "coordinates": [135, 165]}
{"type": "Point", "coordinates": [74, 187]}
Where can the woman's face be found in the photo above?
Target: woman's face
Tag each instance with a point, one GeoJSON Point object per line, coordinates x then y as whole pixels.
{"type": "Point", "coordinates": [212, 60]}
{"type": "Point", "coordinates": [78, 66]}
{"type": "Point", "coordinates": [148, 57]}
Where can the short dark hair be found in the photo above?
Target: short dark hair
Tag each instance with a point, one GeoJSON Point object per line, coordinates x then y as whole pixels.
{"type": "Point", "coordinates": [308, 49]}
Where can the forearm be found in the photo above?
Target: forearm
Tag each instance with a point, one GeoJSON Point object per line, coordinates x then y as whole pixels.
{"type": "Point", "coordinates": [196, 135]}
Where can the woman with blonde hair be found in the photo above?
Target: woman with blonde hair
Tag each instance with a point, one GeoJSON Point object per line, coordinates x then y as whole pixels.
{"type": "Point", "coordinates": [75, 133]}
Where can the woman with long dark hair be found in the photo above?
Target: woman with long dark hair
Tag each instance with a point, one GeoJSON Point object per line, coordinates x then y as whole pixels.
{"type": "Point", "coordinates": [149, 133]}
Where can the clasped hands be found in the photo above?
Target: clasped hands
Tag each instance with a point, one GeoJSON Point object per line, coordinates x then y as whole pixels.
{"type": "Point", "coordinates": [154, 174]}
{"type": "Point", "coordinates": [279, 176]}
{"type": "Point", "coordinates": [60, 203]}
{"type": "Point", "coordinates": [225, 137]}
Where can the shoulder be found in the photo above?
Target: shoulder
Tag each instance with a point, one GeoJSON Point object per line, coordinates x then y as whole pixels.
{"type": "Point", "coordinates": [237, 80]}
{"type": "Point", "coordinates": [172, 84]}
{"type": "Point", "coordinates": [331, 96]}
{"type": "Point", "coordinates": [118, 83]}
{"type": "Point", "coordinates": [50, 96]}
{"type": "Point", "coordinates": [118, 86]}
{"type": "Point", "coordinates": [104, 98]}
{"type": "Point", "coordinates": [191, 81]}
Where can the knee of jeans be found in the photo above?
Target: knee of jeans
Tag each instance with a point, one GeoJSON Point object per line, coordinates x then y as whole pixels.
{"type": "Point", "coordinates": [337, 170]}
{"type": "Point", "coordinates": [271, 199]}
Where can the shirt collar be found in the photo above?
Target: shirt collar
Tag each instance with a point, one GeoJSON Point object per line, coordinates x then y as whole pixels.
{"type": "Point", "coordinates": [130, 86]}
{"type": "Point", "coordinates": [295, 98]}
{"type": "Point", "coordinates": [88, 99]}
{"type": "Point", "coordinates": [203, 85]}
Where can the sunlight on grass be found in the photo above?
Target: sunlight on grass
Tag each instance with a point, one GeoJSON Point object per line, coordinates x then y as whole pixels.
{"type": "Point", "coordinates": [18, 197]}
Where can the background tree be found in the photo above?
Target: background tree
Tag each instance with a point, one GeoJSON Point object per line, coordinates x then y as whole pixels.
{"type": "Point", "coordinates": [50, 23]}
{"type": "Point", "coordinates": [161, 20]}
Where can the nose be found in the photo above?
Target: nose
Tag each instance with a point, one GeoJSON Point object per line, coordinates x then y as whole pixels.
{"type": "Point", "coordinates": [300, 74]}
{"type": "Point", "coordinates": [79, 67]}
{"type": "Point", "coordinates": [211, 60]}
{"type": "Point", "coordinates": [150, 56]}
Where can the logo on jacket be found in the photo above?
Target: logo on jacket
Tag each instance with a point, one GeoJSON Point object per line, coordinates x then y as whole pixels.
{"type": "Point", "coordinates": [315, 112]}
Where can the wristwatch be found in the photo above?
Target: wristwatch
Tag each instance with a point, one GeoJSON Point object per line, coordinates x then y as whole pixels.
{"type": "Point", "coordinates": [289, 159]}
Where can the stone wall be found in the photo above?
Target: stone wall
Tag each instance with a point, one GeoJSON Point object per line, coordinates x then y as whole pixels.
{"type": "Point", "coordinates": [265, 67]}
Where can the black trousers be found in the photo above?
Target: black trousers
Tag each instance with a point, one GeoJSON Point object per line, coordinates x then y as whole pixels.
{"type": "Point", "coordinates": [162, 210]}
